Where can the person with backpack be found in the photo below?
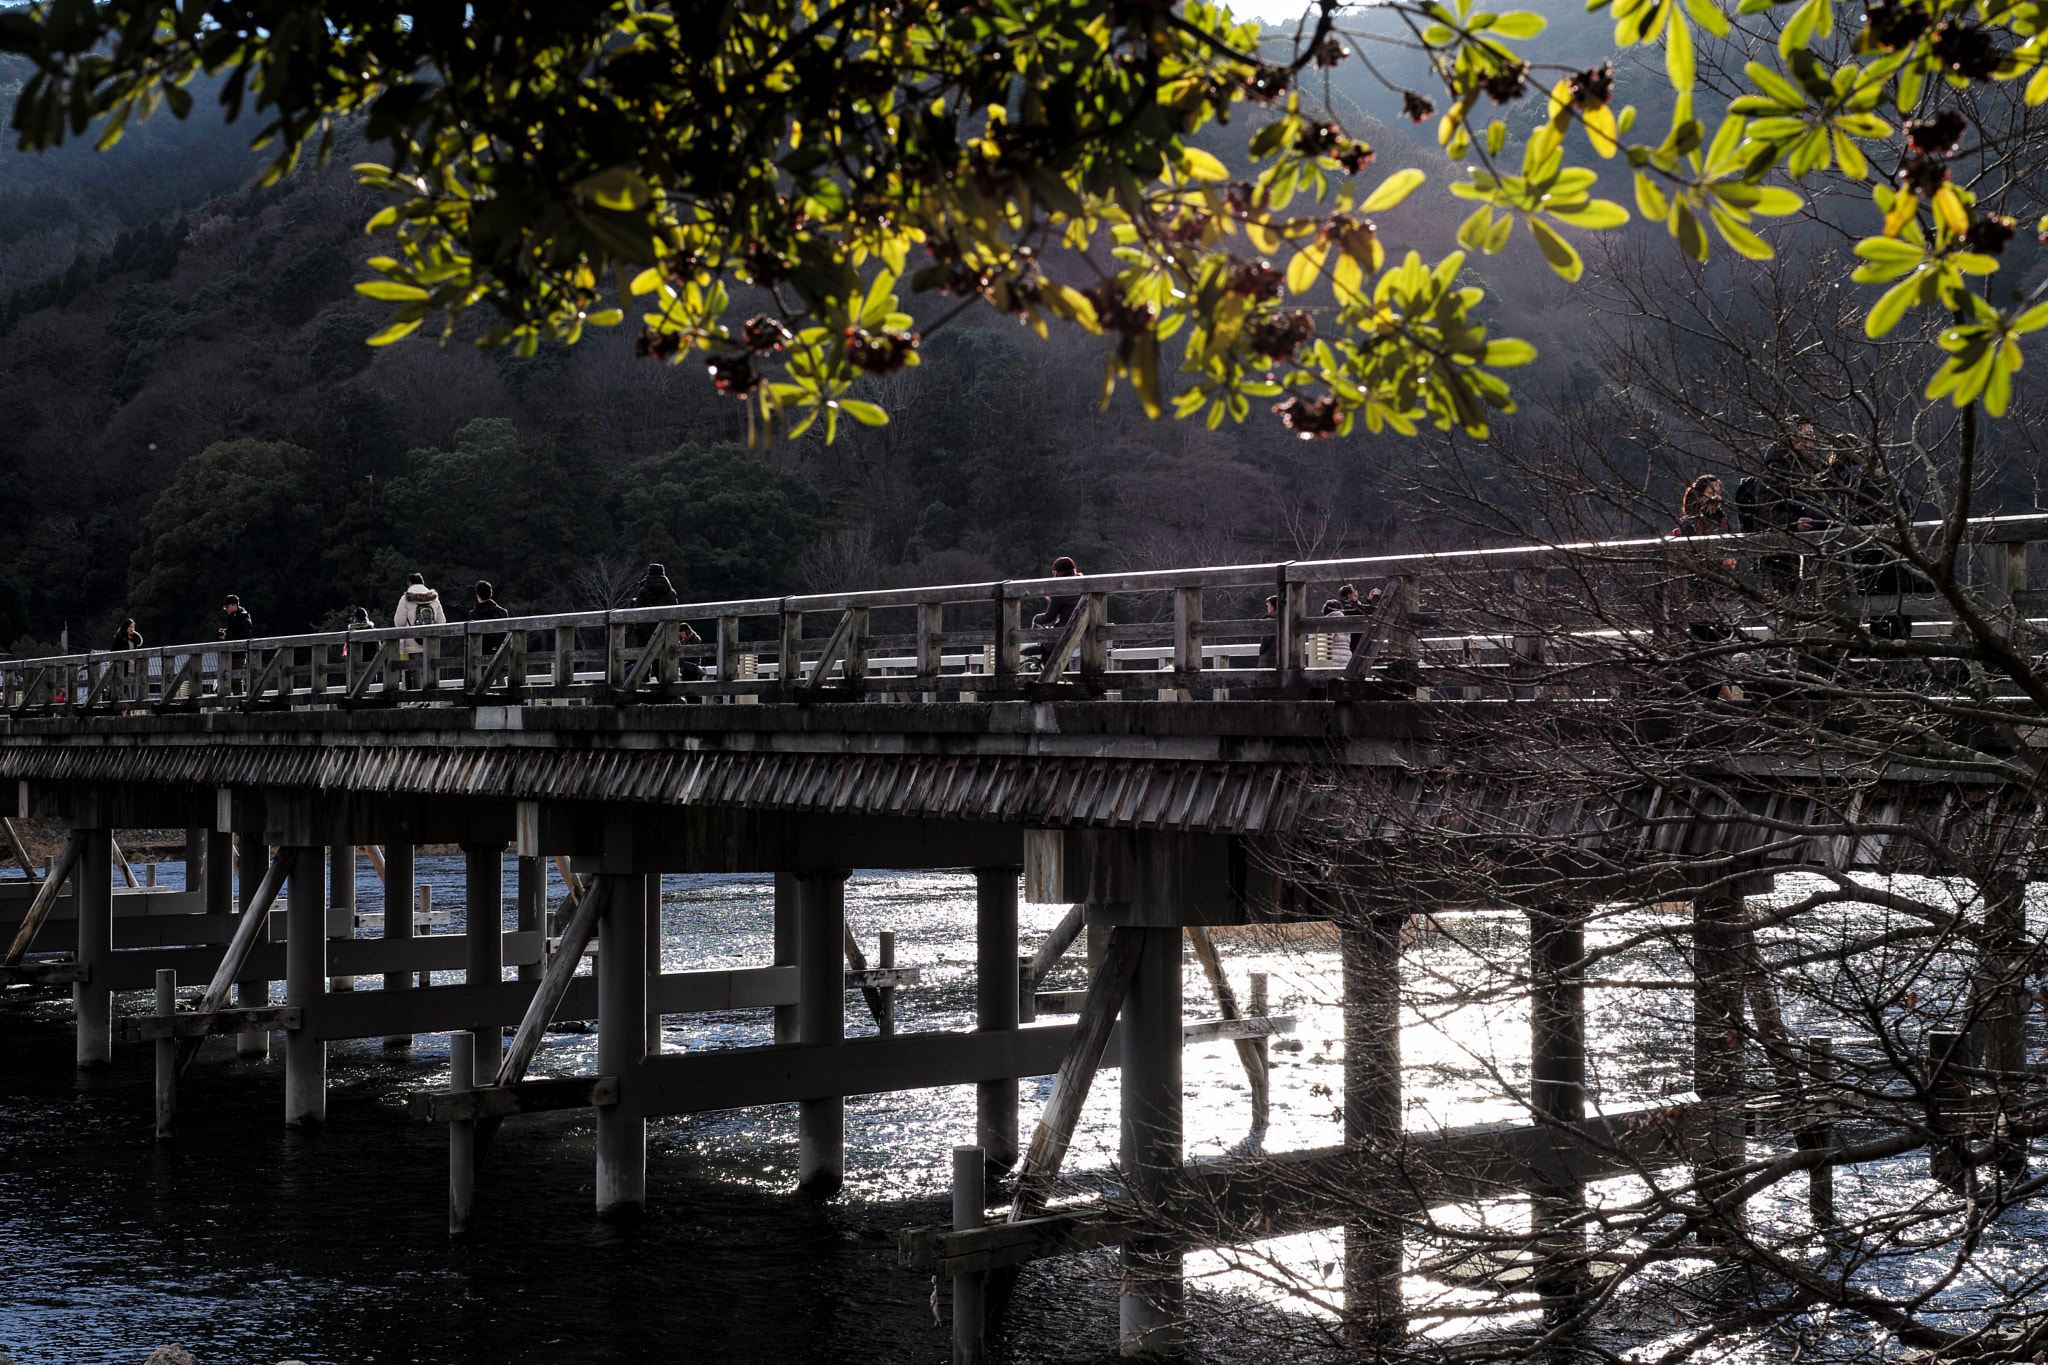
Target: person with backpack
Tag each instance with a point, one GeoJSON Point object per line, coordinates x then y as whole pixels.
{"type": "Point", "coordinates": [235, 625]}
{"type": "Point", "coordinates": [418, 605]}
{"type": "Point", "coordinates": [656, 590]}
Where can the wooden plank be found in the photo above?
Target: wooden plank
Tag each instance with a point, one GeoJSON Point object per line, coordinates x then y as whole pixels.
{"type": "Point", "coordinates": [255, 919]}
{"type": "Point", "coordinates": [1244, 1201]}
{"type": "Point", "coordinates": [1055, 1131]}
{"type": "Point", "coordinates": [45, 899]}
{"type": "Point", "coordinates": [493, 1102]}
{"type": "Point", "coordinates": [881, 978]}
{"type": "Point", "coordinates": [554, 984]}
{"type": "Point", "coordinates": [737, 1078]}
{"type": "Point", "coordinates": [1057, 942]}
{"type": "Point", "coordinates": [144, 1028]}
{"type": "Point", "coordinates": [858, 963]}
{"type": "Point", "coordinates": [1226, 1004]}
{"type": "Point", "coordinates": [44, 973]}
{"type": "Point", "coordinates": [121, 864]}
{"type": "Point", "coordinates": [1244, 1031]}
{"type": "Point", "coordinates": [19, 848]}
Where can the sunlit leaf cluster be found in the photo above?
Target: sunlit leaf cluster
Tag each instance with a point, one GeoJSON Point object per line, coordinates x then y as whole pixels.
{"type": "Point", "coordinates": [755, 186]}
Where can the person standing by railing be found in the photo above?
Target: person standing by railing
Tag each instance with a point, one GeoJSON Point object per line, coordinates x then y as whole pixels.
{"type": "Point", "coordinates": [656, 590]}
{"type": "Point", "coordinates": [236, 624]}
{"type": "Point", "coordinates": [1059, 610]}
{"type": "Point", "coordinates": [419, 605]}
{"type": "Point", "coordinates": [487, 608]}
{"type": "Point", "coordinates": [1701, 513]}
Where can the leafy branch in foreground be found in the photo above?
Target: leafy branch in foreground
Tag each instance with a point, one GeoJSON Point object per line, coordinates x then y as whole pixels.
{"type": "Point", "coordinates": [568, 167]}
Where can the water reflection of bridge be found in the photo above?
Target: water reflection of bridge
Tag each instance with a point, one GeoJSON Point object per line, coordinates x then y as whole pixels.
{"type": "Point", "coordinates": [1149, 766]}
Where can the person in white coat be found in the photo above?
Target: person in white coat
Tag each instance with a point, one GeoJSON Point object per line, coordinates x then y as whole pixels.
{"type": "Point", "coordinates": [419, 606]}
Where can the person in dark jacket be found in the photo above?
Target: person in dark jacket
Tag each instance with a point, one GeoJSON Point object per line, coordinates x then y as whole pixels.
{"type": "Point", "coordinates": [1701, 512]}
{"type": "Point", "coordinates": [655, 590]}
{"type": "Point", "coordinates": [128, 637]}
{"type": "Point", "coordinates": [1060, 610]}
{"type": "Point", "coordinates": [1269, 648]}
{"type": "Point", "coordinates": [1349, 603]}
{"type": "Point", "coordinates": [236, 625]}
{"type": "Point", "coordinates": [487, 608]}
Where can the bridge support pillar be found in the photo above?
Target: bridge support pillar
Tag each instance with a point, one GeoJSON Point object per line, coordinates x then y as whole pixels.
{"type": "Point", "coordinates": [255, 862]}
{"type": "Point", "coordinates": [398, 900]}
{"type": "Point", "coordinates": [652, 891]}
{"type": "Point", "coordinates": [341, 901]}
{"type": "Point", "coordinates": [305, 981]}
{"type": "Point", "coordinates": [483, 867]}
{"type": "Point", "coordinates": [1719, 971]}
{"type": "Point", "coordinates": [997, 998]}
{"type": "Point", "coordinates": [1557, 1091]}
{"type": "Point", "coordinates": [785, 949]}
{"type": "Point", "coordinates": [622, 1044]}
{"type": "Point", "coordinates": [533, 908]}
{"type": "Point", "coordinates": [196, 839]}
{"type": "Point", "coordinates": [821, 1018]}
{"type": "Point", "coordinates": [1371, 952]}
{"type": "Point", "coordinates": [92, 890]}
{"type": "Point", "coordinates": [1149, 1316]}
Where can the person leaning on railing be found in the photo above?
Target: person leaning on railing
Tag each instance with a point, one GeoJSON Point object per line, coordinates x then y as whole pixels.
{"type": "Point", "coordinates": [235, 625]}
{"type": "Point", "coordinates": [656, 590]}
{"type": "Point", "coordinates": [1701, 513]}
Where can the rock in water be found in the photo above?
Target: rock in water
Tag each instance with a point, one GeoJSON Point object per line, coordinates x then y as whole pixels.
{"type": "Point", "coordinates": [172, 1354]}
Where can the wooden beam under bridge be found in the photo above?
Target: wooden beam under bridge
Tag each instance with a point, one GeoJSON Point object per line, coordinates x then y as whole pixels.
{"type": "Point", "coordinates": [1235, 1203]}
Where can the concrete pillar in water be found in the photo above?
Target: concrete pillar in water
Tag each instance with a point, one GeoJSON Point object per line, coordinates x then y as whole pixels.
{"type": "Point", "coordinates": [251, 994]}
{"type": "Point", "coordinates": [533, 908]}
{"type": "Point", "coordinates": [341, 902]}
{"type": "Point", "coordinates": [652, 891]}
{"type": "Point", "coordinates": [92, 891]}
{"type": "Point", "coordinates": [821, 1018]}
{"type": "Point", "coordinates": [305, 981]}
{"type": "Point", "coordinates": [483, 958]}
{"type": "Point", "coordinates": [622, 1043]}
{"type": "Point", "coordinates": [166, 1055]}
{"type": "Point", "coordinates": [996, 1006]}
{"type": "Point", "coordinates": [196, 838]}
{"type": "Point", "coordinates": [1149, 1317]}
{"type": "Point", "coordinates": [1557, 1090]}
{"type": "Point", "coordinates": [1372, 1117]}
{"type": "Point", "coordinates": [970, 1303]}
{"type": "Point", "coordinates": [785, 949]}
{"type": "Point", "coordinates": [461, 1136]}
{"type": "Point", "coordinates": [398, 898]}
{"type": "Point", "coordinates": [1719, 965]}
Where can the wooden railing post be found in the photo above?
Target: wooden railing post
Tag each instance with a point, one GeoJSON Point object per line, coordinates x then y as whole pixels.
{"type": "Point", "coordinates": [931, 625]}
{"type": "Point", "coordinates": [1187, 636]}
{"type": "Point", "coordinates": [728, 648]}
{"type": "Point", "coordinates": [1531, 651]}
{"type": "Point", "coordinates": [789, 668]}
{"type": "Point", "coordinates": [1009, 613]}
{"type": "Point", "coordinates": [615, 661]}
{"type": "Point", "coordinates": [1094, 648]}
{"type": "Point", "coordinates": [1287, 625]}
{"type": "Point", "coordinates": [472, 661]}
{"type": "Point", "coordinates": [857, 648]}
{"type": "Point", "coordinates": [565, 656]}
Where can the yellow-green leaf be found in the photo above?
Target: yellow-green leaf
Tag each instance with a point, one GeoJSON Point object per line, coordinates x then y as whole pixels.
{"type": "Point", "coordinates": [867, 414]}
{"type": "Point", "coordinates": [1305, 267]}
{"type": "Point", "coordinates": [1391, 191]}
{"type": "Point", "coordinates": [1197, 164]}
{"type": "Point", "coordinates": [1563, 258]}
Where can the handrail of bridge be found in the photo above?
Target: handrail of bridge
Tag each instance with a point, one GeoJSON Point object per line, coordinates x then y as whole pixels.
{"type": "Point", "coordinates": [989, 650]}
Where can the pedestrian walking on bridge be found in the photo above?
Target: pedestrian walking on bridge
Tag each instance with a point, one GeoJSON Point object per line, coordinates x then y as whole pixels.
{"type": "Point", "coordinates": [418, 605]}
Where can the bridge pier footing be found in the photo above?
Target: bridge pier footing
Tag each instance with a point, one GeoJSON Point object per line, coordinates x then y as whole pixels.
{"type": "Point", "coordinates": [821, 1018]}
{"type": "Point", "coordinates": [398, 902]}
{"type": "Point", "coordinates": [1371, 964]}
{"type": "Point", "coordinates": [997, 996]}
{"type": "Point", "coordinates": [622, 1044]}
{"type": "Point", "coordinates": [483, 870]}
{"type": "Point", "coordinates": [341, 901]}
{"type": "Point", "coordinates": [1557, 1091]}
{"type": "Point", "coordinates": [1149, 1310]}
{"type": "Point", "coordinates": [1719, 970]}
{"type": "Point", "coordinates": [92, 888]}
{"type": "Point", "coordinates": [255, 862]}
{"type": "Point", "coordinates": [305, 981]}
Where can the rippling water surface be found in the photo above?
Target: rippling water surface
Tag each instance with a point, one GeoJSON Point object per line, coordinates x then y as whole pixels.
{"type": "Point", "coordinates": [251, 1244]}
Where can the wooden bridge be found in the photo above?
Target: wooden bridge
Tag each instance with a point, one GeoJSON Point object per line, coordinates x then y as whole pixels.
{"type": "Point", "coordinates": [1146, 761]}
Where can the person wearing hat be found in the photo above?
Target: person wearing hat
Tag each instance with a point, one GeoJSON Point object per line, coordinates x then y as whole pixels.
{"type": "Point", "coordinates": [655, 590]}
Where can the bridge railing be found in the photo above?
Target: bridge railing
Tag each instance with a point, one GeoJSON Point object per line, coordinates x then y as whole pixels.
{"type": "Point", "coordinates": [1470, 624]}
